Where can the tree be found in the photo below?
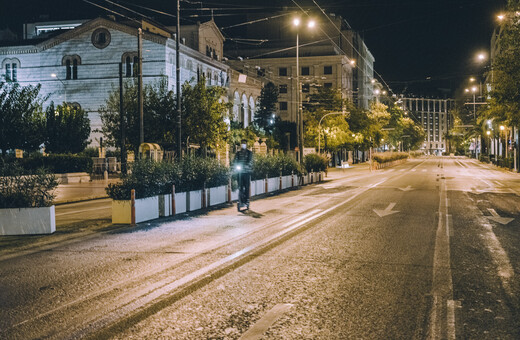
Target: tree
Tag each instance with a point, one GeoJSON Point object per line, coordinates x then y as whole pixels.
{"type": "Point", "coordinates": [21, 117]}
{"type": "Point", "coordinates": [265, 114]}
{"type": "Point", "coordinates": [204, 114]}
{"type": "Point", "coordinates": [159, 112]}
{"type": "Point", "coordinates": [67, 129]}
{"type": "Point", "coordinates": [334, 129]}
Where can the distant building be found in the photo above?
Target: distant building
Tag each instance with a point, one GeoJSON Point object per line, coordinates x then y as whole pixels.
{"type": "Point", "coordinates": [434, 115]}
{"type": "Point", "coordinates": [331, 55]}
{"type": "Point", "coordinates": [78, 62]}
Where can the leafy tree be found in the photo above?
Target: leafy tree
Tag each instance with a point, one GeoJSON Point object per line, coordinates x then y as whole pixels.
{"type": "Point", "coordinates": [204, 114]}
{"type": "Point", "coordinates": [334, 128]}
{"type": "Point", "coordinates": [266, 108]}
{"type": "Point", "coordinates": [159, 112]}
{"type": "Point", "coordinates": [21, 117]}
{"type": "Point", "coordinates": [67, 129]}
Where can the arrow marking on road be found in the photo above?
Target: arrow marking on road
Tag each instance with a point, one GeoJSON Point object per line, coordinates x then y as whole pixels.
{"type": "Point", "coordinates": [496, 217]}
{"type": "Point", "coordinates": [408, 188]}
{"type": "Point", "coordinates": [387, 211]}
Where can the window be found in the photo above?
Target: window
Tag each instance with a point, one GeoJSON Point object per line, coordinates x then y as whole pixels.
{"type": "Point", "coordinates": [10, 66]}
{"type": "Point", "coordinates": [306, 88]}
{"type": "Point", "coordinates": [283, 88]}
{"type": "Point", "coordinates": [327, 85]}
{"type": "Point", "coordinates": [71, 63]}
{"type": "Point", "coordinates": [305, 71]}
{"type": "Point", "coordinates": [282, 71]}
{"type": "Point", "coordinates": [131, 62]}
{"type": "Point", "coordinates": [100, 38]}
{"type": "Point", "coordinates": [283, 106]}
{"type": "Point", "coordinates": [327, 69]}
{"type": "Point", "coordinates": [135, 67]}
{"type": "Point", "coordinates": [128, 67]}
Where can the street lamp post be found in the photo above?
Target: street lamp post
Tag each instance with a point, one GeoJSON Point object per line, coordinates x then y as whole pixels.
{"type": "Point", "coordinates": [54, 75]}
{"type": "Point", "coordinates": [299, 114]}
{"type": "Point", "coordinates": [319, 127]}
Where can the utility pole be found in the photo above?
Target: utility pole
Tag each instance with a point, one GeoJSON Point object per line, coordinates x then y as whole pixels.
{"type": "Point", "coordinates": [140, 84]}
{"type": "Point", "coordinates": [178, 82]}
{"type": "Point", "coordinates": [122, 120]}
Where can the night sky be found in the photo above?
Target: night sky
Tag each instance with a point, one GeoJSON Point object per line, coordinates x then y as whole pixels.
{"type": "Point", "coordinates": [420, 46]}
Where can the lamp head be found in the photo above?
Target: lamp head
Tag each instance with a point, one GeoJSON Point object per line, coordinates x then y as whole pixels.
{"type": "Point", "coordinates": [296, 22]}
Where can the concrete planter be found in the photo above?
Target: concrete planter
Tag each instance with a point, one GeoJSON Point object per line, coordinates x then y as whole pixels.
{"type": "Point", "coordinates": [180, 203]}
{"type": "Point", "coordinates": [286, 182]}
{"type": "Point", "coordinates": [273, 184]}
{"type": "Point", "coordinates": [73, 177]}
{"type": "Point", "coordinates": [195, 200]}
{"type": "Point", "coordinates": [257, 187]}
{"type": "Point", "coordinates": [145, 209]}
{"type": "Point", "coordinates": [217, 195]}
{"type": "Point", "coordinates": [27, 221]}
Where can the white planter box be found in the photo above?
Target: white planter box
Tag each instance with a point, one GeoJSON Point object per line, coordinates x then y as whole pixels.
{"type": "Point", "coordinates": [286, 182]}
{"type": "Point", "coordinates": [27, 221]}
{"type": "Point", "coordinates": [273, 184]}
{"type": "Point", "coordinates": [195, 200]}
{"type": "Point", "coordinates": [217, 195]}
{"type": "Point", "coordinates": [257, 187]}
{"type": "Point", "coordinates": [165, 205]}
{"type": "Point", "coordinates": [305, 179]}
{"type": "Point", "coordinates": [145, 209]}
{"type": "Point", "coordinates": [180, 202]}
{"type": "Point", "coordinates": [234, 195]}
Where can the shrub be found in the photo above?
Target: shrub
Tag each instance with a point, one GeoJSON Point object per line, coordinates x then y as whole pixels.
{"type": "Point", "coordinates": [271, 166]}
{"type": "Point", "coordinates": [150, 178]}
{"type": "Point", "coordinates": [58, 163]}
{"type": "Point", "coordinates": [315, 162]}
{"type": "Point", "coordinates": [386, 157]}
{"type": "Point", "coordinates": [18, 189]}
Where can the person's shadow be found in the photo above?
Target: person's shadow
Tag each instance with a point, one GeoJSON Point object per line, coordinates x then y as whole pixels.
{"type": "Point", "coordinates": [251, 213]}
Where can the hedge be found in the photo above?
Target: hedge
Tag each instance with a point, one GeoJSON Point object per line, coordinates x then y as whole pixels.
{"type": "Point", "coordinates": [386, 157]}
{"type": "Point", "coordinates": [271, 166]}
{"type": "Point", "coordinates": [150, 178]}
{"type": "Point", "coordinates": [19, 189]}
{"type": "Point", "coordinates": [315, 162]}
{"type": "Point", "coordinates": [55, 163]}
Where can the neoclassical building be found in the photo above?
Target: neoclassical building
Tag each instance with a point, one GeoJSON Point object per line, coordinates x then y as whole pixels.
{"type": "Point", "coordinates": [78, 62]}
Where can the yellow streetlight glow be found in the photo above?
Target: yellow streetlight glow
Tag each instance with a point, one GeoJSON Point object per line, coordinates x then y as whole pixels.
{"type": "Point", "coordinates": [471, 79]}
{"type": "Point", "coordinates": [474, 89]}
{"type": "Point", "coordinates": [481, 56]}
{"type": "Point", "coordinates": [311, 24]}
{"type": "Point", "coordinates": [502, 127]}
{"type": "Point", "coordinates": [466, 90]}
{"type": "Point", "coordinates": [373, 81]}
{"type": "Point", "coordinates": [500, 17]}
{"type": "Point", "coordinates": [376, 91]}
{"type": "Point", "coordinates": [384, 92]}
{"type": "Point", "coordinates": [488, 132]}
{"type": "Point", "coordinates": [296, 22]}
{"type": "Point", "coordinates": [352, 62]}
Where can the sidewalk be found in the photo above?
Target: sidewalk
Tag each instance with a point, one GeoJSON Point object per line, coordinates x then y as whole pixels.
{"type": "Point", "coordinates": [78, 192]}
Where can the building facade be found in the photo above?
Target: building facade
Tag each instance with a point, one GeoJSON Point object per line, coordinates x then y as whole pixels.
{"type": "Point", "coordinates": [79, 64]}
{"type": "Point", "coordinates": [434, 115]}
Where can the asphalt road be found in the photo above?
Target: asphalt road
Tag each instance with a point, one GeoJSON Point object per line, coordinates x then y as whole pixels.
{"type": "Point", "coordinates": [425, 249]}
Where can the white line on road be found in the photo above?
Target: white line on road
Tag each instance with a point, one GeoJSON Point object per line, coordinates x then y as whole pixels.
{"type": "Point", "coordinates": [424, 170]}
{"type": "Point", "coordinates": [414, 170]}
{"type": "Point", "coordinates": [266, 321]}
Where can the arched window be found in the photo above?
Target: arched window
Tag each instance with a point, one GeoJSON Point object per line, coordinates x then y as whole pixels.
{"type": "Point", "coordinates": [128, 67]}
{"type": "Point", "coordinates": [75, 69]}
{"type": "Point", "coordinates": [245, 110]}
{"type": "Point", "coordinates": [68, 70]}
{"type": "Point", "coordinates": [71, 63]}
{"type": "Point", "coordinates": [251, 109]}
{"type": "Point", "coordinates": [236, 106]}
{"type": "Point", "coordinates": [10, 66]}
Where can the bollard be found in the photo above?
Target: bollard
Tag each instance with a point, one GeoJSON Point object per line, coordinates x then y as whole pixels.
{"type": "Point", "coordinates": [132, 207]}
{"type": "Point", "coordinates": [229, 191]}
{"type": "Point", "coordinates": [266, 186]}
{"type": "Point", "coordinates": [312, 176]}
{"type": "Point", "coordinates": [280, 181]}
{"type": "Point", "coordinates": [203, 198]}
{"type": "Point", "coordinates": [292, 179]}
{"type": "Point", "coordinates": [173, 200]}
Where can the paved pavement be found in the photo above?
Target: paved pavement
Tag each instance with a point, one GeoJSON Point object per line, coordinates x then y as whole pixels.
{"type": "Point", "coordinates": [77, 192]}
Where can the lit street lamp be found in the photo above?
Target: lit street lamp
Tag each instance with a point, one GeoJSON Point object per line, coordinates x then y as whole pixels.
{"type": "Point", "coordinates": [299, 115]}
{"type": "Point", "coordinates": [54, 75]}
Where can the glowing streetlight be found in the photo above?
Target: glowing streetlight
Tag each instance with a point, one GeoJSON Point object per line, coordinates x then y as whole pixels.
{"type": "Point", "coordinates": [502, 127]}
{"type": "Point", "coordinates": [472, 79]}
{"type": "Point", "coordinates": [481, 57]}
{"type": "Point", "coordinates": [474, 89]}
{"type": "Point", "coordinates": [54, 75]}
{"type": "Point", "coordinates": [352, 62]}
{"type": "Point", "coordinates": [299, 116]}
{"type": "Point", "coordinates": [488, 132]}
{"type": "Point", "coordinates": [501, 17]}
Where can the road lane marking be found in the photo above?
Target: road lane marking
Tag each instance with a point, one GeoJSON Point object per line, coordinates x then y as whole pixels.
{"type": "Point", "coordinates": [408, 188]}
{"type": "Point", "coordinates": [387, 211]}
{"type": "Point", "coordinates": [266, 321]}
{"type": "Point", "coordinates": [424, 170]}
{"type": "Point", "coordinates": [414, 170]}
{"type": "Point", "coordinates": [496, 217]}
{"type": "Point", "coordinates": [80, 211]}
